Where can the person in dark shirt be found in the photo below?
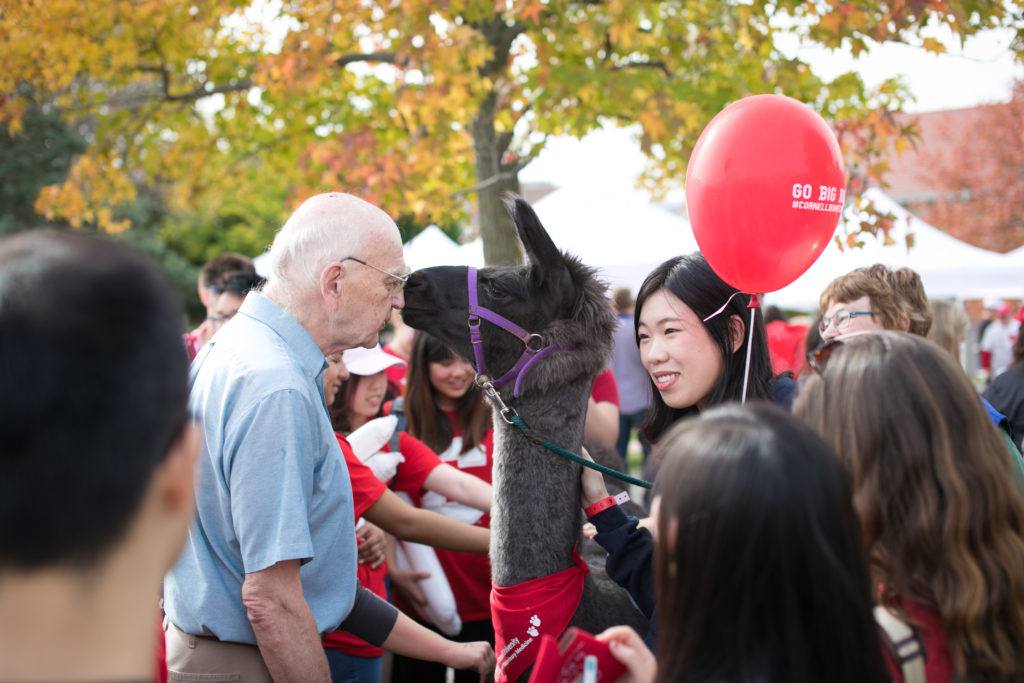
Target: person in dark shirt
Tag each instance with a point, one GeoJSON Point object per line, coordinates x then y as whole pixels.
{"type": "Point", "coordinates": [761, 577]}
{"type": "Point", "coordinates": [97, 463]}
{"type": "Point", "coordinates": [1006, 392]}
{"type": "Point", "coordinates": [691, 328]}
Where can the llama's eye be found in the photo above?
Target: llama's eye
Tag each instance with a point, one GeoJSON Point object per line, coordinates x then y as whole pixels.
{"type": "Point", "coordinates": [497, 293]}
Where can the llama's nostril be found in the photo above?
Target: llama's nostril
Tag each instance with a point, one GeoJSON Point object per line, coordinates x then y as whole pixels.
{"type": "Point", "coordinates": [416, 288]}
{"type": "Point", "coordinates": [415, 281]}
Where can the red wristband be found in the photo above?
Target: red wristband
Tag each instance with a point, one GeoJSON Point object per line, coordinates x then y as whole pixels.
{"type": "Point", "coordinates": [599, 506]}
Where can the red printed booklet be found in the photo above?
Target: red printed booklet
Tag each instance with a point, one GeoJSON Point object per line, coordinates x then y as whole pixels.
{"type": "Point", "coordinates": [561, 661]}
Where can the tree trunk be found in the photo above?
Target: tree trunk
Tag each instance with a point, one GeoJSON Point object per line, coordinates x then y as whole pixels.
{"type": "Point", "coordinates": [501, 246]}
{"type": "Point", "coordinates": [493, 179]}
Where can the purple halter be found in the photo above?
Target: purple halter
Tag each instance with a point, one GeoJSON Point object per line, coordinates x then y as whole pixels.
{"type": "Point", "coordinates": [535, 349]}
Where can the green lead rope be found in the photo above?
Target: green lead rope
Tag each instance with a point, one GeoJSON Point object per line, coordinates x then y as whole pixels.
{"type": "Point", "coordinates": [558, 450]}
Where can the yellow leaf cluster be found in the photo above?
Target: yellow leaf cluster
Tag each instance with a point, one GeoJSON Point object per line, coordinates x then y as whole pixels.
{"type": "Point", "coordinates": [397, 127]}
{"type": "Point", "coordinates": [71, 51]}
{"type": "Point", "coordinates": [94, 187]}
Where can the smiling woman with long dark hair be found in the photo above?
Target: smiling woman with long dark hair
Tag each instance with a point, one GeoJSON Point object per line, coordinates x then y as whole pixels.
{"type": "Point", "coordinates": [440, 397]}
{"type": "Point", "coordinates": [447, 412]}
{"type": "Point", "coordinates": [691, 328]}
{"type": "Point", "coordinates": [692, 331]}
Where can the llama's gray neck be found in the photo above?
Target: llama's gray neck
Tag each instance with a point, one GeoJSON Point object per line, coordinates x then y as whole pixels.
{"type": "Point", "coordinates": [535, 519]}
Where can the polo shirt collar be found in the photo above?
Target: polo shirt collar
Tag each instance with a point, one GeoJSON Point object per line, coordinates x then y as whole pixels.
{"type": "Point", "coordinates": [260, 308]}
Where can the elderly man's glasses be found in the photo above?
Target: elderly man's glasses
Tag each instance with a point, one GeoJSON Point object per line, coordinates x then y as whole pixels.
{"type": "Point", "coordinates": [400, 279]}
{"type": "Point", "coordinates": [840, 320]}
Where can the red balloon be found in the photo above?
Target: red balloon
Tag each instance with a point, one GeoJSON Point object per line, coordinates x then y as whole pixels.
{"type": "Point", "coordinates": [764, 190]}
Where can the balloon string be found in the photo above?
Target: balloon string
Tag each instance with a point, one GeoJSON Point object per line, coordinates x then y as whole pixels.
{"type": "Point", "coordinates": [750, 344]}
{"type": "Point", "coordinates": [719, 311]}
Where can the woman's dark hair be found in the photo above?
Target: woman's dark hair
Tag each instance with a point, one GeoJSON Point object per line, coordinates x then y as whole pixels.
{"type": "Point", "coordinates": [427, 422]}
{"type": "Point", "coordinates": [760, 572]}
{"type": "Point", "coordinates": [340, 419]}
{"type": "Point", "coordinates": [691, 279]}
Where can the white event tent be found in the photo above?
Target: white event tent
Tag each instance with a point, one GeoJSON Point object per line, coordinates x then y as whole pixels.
{"type": "Point", "coordinates": [1016, 256]}
{"type": "Point", "coordinates": [614, 229]}
{"type": "Point", "coordinates": [948, 267]}
{"type": "Point", "coordinates": [430, 247]}
{"type": "Point", "coordinates": [617, 229]}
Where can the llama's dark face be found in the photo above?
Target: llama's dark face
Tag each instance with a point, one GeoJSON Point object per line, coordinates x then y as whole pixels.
{"type": "Point", "coordinates": [546, 290]}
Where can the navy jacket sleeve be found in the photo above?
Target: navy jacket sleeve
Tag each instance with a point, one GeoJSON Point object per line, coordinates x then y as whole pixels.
{"type": "Point", "coordinates": [784, 391]}
{"type": "Point", "coordinates": [630, 560]}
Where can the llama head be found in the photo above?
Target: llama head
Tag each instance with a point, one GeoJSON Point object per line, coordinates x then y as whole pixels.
{"type": "Point", "coordinates": [553, 295]}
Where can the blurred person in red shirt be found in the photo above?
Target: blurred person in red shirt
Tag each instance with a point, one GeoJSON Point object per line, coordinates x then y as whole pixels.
{"type": "Point", "coordinates": [211, 285]}
{"type": "Point", "coordinates": [785, 341]}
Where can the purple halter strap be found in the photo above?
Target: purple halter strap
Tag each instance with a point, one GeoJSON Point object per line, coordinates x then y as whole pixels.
{"type": "Point", "coordinates": [535, 349]}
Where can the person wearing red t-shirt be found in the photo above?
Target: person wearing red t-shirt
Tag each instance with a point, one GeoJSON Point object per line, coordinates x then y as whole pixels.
{"type": "Point", "coordinates": [445, 410]}
{"type": "Point", "coordinates": [785, 341]}
{"type": "Point", "coordinates": [352, 403]}
{"type": "Point", "coordinates": [602, 424]}
{"type": "Point", "coordinates": [212, 279]}
{"type": "Point", "coordinates": [359, 400]}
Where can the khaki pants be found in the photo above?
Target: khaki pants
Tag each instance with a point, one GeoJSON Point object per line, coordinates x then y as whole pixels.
{"type": "Point", "coordinates": [192, 659]}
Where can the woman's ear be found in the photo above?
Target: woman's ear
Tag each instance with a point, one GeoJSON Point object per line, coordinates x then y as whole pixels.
{"type": "Point", "coordinates": [904, 321]}
{"type": "Point", "coordinates": [736, 331]}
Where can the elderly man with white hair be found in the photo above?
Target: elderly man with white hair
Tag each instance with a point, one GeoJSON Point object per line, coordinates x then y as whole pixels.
{"type": "Point", "coordinates": [270, 560]}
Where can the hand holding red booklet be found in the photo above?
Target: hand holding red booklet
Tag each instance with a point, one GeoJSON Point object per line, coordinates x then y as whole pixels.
{"type": "Point", "coordinates": [561, 661]}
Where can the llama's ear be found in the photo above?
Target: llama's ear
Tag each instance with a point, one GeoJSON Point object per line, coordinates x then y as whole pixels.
{"type": "Point", "coordinates": [538, 245]}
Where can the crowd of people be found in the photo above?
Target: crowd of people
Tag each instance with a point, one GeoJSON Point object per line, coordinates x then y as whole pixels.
{"type": "Point", "coordinates": [241, 502]}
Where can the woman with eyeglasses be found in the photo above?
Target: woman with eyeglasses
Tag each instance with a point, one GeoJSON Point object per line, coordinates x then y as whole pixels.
{"type": "Point", "coordinates": [938, 497]}
{"type": "Point", "coordinates": [871, 299]}
{"type": "Point", "coordinates": [877, 298]}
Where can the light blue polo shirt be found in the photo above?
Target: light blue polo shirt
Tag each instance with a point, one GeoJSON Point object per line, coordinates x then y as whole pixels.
{"type": "Point", "coordinates": [271, 482]}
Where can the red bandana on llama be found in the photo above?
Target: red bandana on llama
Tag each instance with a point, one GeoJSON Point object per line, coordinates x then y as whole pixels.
{"type": "Point", "coordinates": [521, 613]}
